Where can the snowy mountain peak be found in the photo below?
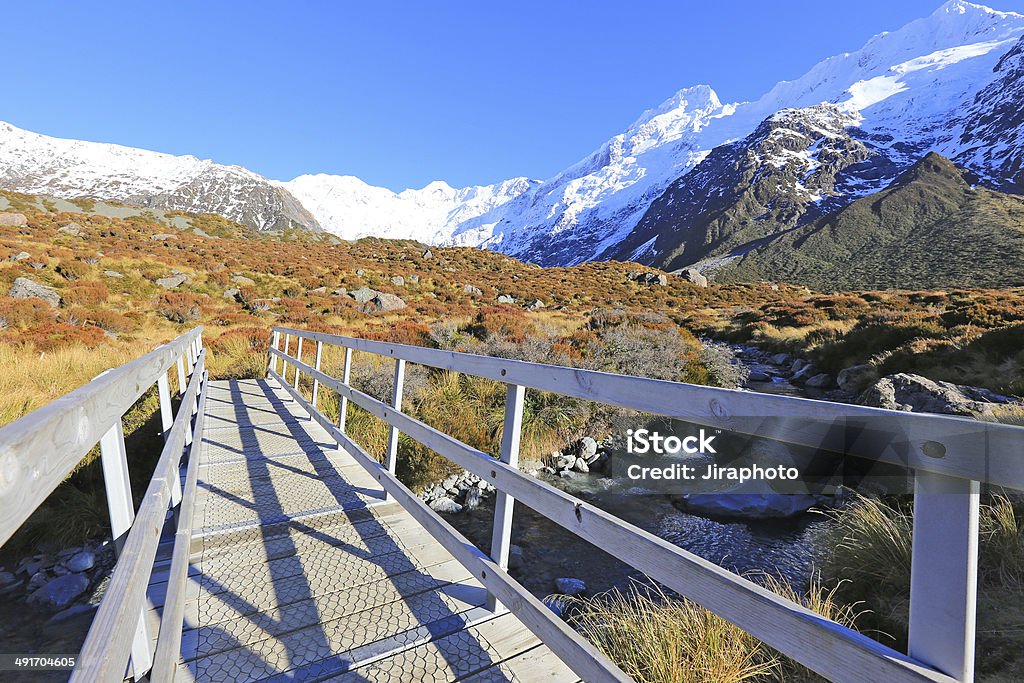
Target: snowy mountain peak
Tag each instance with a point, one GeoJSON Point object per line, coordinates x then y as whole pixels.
{"type": "Point", "coordinates": [39, 164]}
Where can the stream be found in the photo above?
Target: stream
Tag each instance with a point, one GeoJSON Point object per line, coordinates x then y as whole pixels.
{"type": "Point", "coordinates": [788, 548]}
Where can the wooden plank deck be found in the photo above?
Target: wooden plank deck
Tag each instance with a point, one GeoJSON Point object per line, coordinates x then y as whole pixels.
{"type": "Point", "coordinates": [299, 571]}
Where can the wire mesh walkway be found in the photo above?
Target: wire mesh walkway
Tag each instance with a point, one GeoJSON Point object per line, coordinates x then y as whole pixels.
{"type": "Point", "coordinates": [300, 571]}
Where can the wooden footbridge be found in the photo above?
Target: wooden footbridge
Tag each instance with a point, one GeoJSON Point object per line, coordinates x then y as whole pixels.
{"type": "Point", "coordinates": [270, 546]}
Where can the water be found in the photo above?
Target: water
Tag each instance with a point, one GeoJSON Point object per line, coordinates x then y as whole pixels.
{"type": "Point", "coordinates": [787, 548]}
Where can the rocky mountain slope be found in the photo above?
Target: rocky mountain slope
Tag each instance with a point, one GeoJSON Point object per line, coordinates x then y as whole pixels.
{"type": "Point", "coordinates": [38, 164]}
{"type": "Point", "coordinates": [952, 85]}
{"type": "Point", "coordinates": [930, 228]}
{"type": "Point", "coordinates": [692, 181]}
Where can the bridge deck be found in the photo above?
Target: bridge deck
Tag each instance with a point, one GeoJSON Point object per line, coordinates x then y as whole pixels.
{"type": "Point", "coordinates": [299, 571]}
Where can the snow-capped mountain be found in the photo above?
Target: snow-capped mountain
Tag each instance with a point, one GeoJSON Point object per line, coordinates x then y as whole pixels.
{"type": "Point", "coordinates": [39, 164]}
{"type": "Point", "coordinates": [903, 94]}
{"type": "Point", "coordinates": [350, 208]}
{"type": "Point", "coordinates": [691, 179]}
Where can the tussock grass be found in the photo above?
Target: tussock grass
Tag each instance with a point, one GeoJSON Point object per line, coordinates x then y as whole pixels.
{"type": "Point", "coordinates": [29, 379]}
{"type": "Point", "coordinates": [871, 558]}
{"type": "Point", "coordinates": [656, 638]}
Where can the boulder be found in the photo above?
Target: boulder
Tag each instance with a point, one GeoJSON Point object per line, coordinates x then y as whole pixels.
{"type": "Point", "coordinates": [60, 592]}
{"type": "Point", "coordinates": [581, 466]}
{"type": "Point", "coordinates": [13, 220]}
{"type": "Point", "coordinates": [446, 505]}
{"type": "Point", "coordinates": [363, 294]}
{"type": "Point", "coordinates": [856, 378]}
{"type": "Point", "coordinates": [340, 291]}
{"type": "Point", "coordinates": [113, 274]}
{"type": "Point", "coordinates": [569, 586]}
{"type": "Point", "coordinates": [806, 372]}
{"type": "Point", "coordinates": [173, 281]}
{"type": "Point", "coordinates": [20, 256]}
{"type": "Point", "coordinates": [360, 272]}
{"type": "Point", "coordinates": [820, 381]}
{"type": "Point", "coordinates": [319, 291]}
{"type": "Point", "coordinates": [472, 501]}
{"type": "Point", "coordinates": [914, 393]}
{"type": "Point", "coordinates": [398, 281]}
{"type": "Point", "coordinates": [163, 237]}
{"type": "Point", "coordinates": [80, 561]}
{"type": "Point", "coordinates": [70, 613]}
{"type": "Point", "coordinates": [387, 302]}
{"type": "Point", "coordinates": [798, 365]}
{"type": "Point", "coordinates": [506, 299]}
{"type": "Point", "coordinates": [781, 359]}
{"type": "Point", "coordinates": [748, 505]}
{"type": "Point", "coordinates": [231, 293]}
{"type": "Point", "coordinates": [758, 376]}
{"type": "Point", "coordinates": [427, 253]}
{"type": "Point", "coordinates": [585, 448]}
{"type": "Point", "coordinates": [693, 276]}
{"type": "Point", "coordinates": [24, 288]}
{"type": "Point", "coordinates": [243, 281]}
{"type": "Point", "coordinates": [649, 278]}
{"type": "Point", "coordinates": [72, 230]}
{"type": "Point", "coordinates": [536, 305]}
{"type": "Point", "coordinates": [471, 290]}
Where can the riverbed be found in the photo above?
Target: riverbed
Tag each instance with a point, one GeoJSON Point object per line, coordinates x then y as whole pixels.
{"type": "Point", "coordinates": [788, 548]}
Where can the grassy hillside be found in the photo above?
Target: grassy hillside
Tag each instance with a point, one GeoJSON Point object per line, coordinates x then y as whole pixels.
{"type": "Point", "coordinates": [930, 229]}
{"type": "Point", "coordinates": [129, 283]}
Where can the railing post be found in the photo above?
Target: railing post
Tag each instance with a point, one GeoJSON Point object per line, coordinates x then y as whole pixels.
{"type": "Point", "coordinates": [944, 573]}
{"type": "Point", "coordinates": [275, 343]}
{"type": "Point", "coordinates": [316, 382]}
{"type": "Point", "coordinates": [166, 420]}
{"type": "Point", "coordinates": [284, 362]}
{"type": "Point", "coordinates": [346, 371]}
{"type": "Point", "coordinates": [298, 359]}
{"type": "Point", "coordinates": [391, 459]}
{"type": "Point", "coordinates": [114, 462]}
{"type": "Point", "coordinates": [182, 382]}
{"type": "Point", "coordinates": [501, 535]}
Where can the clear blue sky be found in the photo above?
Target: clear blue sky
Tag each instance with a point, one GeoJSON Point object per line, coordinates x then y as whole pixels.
{"type": "Point", "coordinates": [401, 93]}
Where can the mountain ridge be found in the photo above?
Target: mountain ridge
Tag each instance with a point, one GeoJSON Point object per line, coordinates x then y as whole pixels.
{"type": "Point", "coordinates": [946, 82]}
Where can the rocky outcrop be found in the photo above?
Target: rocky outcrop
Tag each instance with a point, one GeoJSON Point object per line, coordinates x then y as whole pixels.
{"type": "Point", "coordinates": [914, 393]}
{"type": "Point", "coordinates": [856, 378]}
{"type": "Point", "coordinates": [173, 281]}
{"type": "Point", "coordinates": [693, 276]}
{"type": "Point", "coordinates": [383, 302]}
{"type": "Point", "coordinates": [648, 278]}
{"type": "Point", "coordinates": [24, 288]}
{"type": "Point", "coordinates": [72, 230]}
{"type": "Point", "coordinates": [13, 220]}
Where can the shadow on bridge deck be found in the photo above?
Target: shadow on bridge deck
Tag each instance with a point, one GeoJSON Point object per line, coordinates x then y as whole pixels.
{"type": "Point", "coordinates": [300, 571]}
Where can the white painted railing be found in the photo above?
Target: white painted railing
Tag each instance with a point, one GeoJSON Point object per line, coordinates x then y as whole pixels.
{"type": "Point", "coordinates": [949, 456]}
{"type": "Point", "coordinates": [38, 451]}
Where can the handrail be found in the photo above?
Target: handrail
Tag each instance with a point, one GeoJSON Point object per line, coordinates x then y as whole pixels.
{"type": "Point", "coordinates": [943, 572]}
{"type": "Point", "coordinates": [168, 645]}
{"type": "Point", "coordinates": [39, 450]}
{"type": "Point", "coordinates": [921, 441]}
{"type": "Point", "coordinates": [109, 641]}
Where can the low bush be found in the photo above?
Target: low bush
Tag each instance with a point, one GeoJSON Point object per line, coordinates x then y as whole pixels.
{"type": "Point", "coordinates": [180, 307]}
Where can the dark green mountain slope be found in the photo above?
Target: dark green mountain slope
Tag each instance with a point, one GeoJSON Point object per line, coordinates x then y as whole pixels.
{"type": "Point", "coordinates": [929, 229]}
